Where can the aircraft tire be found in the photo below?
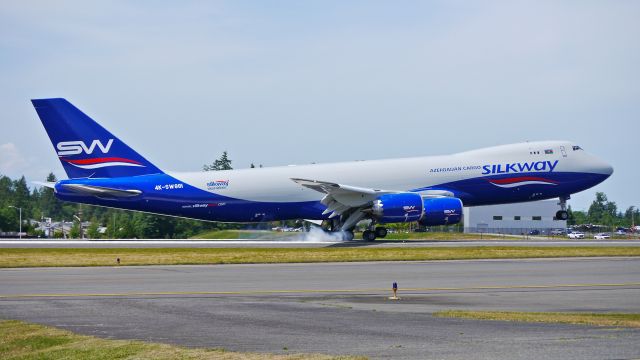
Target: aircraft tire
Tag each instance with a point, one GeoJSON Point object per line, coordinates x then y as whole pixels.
{"type": "Point", "coordinates": [562, 215]}
{"type": "Point", "coordinates": [348, 235]}
{"type": "Point", "coordinates": [368, 235]}
{"type": "Point", "coordinates": [381, 232]}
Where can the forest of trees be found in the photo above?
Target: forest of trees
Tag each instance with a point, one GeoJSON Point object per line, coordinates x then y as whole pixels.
{"type": "Point", "coordinates": [39, 203]}
{"type": "Point", "coordinates": [605, 212]}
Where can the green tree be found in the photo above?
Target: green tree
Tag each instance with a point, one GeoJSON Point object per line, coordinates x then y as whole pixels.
{"type": "Point", "coordinates": [632, 216]}
{"type": "Point", "coordinates": [74, 232]}
{"type": "Point", "coordinates": [21, 194]}
{"type": "Point", "coordinates": [49, 205]}
{"type": "Point", "coordinates": [223, 163]}
{"type": "Point", "coordinates": [92, 230]}
{"type": "Point", "coordinates": [602, 211]}
{"type": "Point", "coordinates": [125, 228]}
{"type": "Point", "coordinates": [578, 217]}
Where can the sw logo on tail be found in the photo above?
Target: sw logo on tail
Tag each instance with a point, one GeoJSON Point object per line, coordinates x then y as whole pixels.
{"type": "Point", "coordinates": [66, 148]}
{"type": "Point", "coordinates": [76, 147]}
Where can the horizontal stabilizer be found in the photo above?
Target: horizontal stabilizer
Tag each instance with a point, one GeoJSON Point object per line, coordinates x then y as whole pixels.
{"type": "Point", "coordinates": [50, 185]}
{"type": "Point", "coordinates": [101, 191]}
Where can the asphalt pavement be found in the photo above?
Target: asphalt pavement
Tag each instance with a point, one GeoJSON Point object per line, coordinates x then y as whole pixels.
{"type": "Point", "coordinates": [340, 308]}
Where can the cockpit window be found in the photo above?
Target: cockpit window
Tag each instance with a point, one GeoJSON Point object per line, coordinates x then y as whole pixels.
{"type": "Point", "coordinates": [575, 147]}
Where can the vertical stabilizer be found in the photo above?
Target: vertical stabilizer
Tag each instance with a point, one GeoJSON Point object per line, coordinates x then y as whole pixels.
{"type": "Point", "coordinates": [85, 148]}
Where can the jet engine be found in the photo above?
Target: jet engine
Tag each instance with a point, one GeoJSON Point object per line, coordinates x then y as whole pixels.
{"type": "Point", "coordinates": [441, 211]}
{"type": "Point", "coordinates": [402, 207]}
{"type": "Point", "coordinates": [409, 207]}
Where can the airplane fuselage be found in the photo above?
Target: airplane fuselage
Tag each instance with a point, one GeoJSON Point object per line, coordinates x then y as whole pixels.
{"type": "Point", "coordinates": [496, 175]}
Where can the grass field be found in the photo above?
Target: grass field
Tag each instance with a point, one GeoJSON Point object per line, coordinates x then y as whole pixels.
{"type": "Point", "coordinates": [32, 257]}
{"type": "Point", "coordinates": [594, 319]}
{"type": "Point", "coordinates": [19, 340]}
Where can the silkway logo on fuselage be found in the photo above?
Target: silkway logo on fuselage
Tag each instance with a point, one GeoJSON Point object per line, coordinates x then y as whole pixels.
{"type": "Point", "coordinates": [511, 168]}
{"type": "Point", "coordinates": [217, 184]}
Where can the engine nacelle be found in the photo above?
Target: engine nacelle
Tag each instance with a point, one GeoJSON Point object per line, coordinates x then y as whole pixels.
{"type": "Point", "coordinates": [441, 211]}
{"type": "Point", "coordinates": [403, 207]}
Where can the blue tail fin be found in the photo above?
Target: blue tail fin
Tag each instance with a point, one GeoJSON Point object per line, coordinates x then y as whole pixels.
{"type": "Point", "coordinates": [85, 148]}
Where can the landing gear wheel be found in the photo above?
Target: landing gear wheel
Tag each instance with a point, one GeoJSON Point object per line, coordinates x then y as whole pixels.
{"type": "Point", "coordinates": [348, 235]}
{"type": "Point", "coordinates": [562, 215]}
{"type": "Point", "coordinates": [326, 225]}
{"type": "Point", "coordinates": [381, 232]}
{"type": "Point", "coordinates": [368, 235]}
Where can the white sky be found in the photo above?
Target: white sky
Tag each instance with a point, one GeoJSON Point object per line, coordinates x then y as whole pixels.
{"type": "Point", "coordinates": [278, 82]}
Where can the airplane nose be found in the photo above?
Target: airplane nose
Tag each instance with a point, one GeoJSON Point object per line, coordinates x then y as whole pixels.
{"type": "Point", "coordinates": [604, 168]}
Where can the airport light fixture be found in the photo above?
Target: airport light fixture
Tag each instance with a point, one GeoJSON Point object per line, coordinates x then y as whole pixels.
{"type": "Point", "coordinates": [20, 227]}
{"type": "Point", "coordinates": [80, 223]}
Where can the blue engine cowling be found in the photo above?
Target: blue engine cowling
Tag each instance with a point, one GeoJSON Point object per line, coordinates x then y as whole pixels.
{"type": "Point", "coordinates": [403, 207]}
{"type": "Point", "coordinates": [441, 211]}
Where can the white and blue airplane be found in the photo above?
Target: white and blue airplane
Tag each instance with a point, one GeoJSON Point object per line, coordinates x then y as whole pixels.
{"type": "Point", "coordinates": [430, 190]}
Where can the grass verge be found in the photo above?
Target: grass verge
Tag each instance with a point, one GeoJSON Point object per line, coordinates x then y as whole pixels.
{"type": "Point", "coordinates": [19, 340]}
{"type": "Point", "coordinates": [594, 319]}
{"type": "Point", "coordinates": [48, 257]}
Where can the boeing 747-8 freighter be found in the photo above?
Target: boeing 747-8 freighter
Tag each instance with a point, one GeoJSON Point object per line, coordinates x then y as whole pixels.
{"type": "Point", "coordinates": [430, 190]}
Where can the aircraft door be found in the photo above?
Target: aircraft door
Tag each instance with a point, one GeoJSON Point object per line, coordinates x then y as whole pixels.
{"type": "Point", "coordinates": [563, 151]}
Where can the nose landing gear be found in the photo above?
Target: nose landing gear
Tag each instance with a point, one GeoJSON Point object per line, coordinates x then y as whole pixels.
{"type": "Point", "coordinates": [562, 214]}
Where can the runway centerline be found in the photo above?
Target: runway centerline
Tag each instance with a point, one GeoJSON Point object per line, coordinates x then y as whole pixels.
{"type": "Point", "coordinates": [317, 291]}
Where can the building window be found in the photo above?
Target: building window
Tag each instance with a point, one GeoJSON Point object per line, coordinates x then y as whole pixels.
{"type": "Point", "coordinates": [497, 218]}
{"type": "Point", "coordinates": [536, 218]}
{"type": "Point", "coordinates": [516, 218]}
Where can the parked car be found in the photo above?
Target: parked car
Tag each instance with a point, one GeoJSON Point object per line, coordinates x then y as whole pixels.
{"type": "Point", "coordinates": [602, 236]}
{"type": "Point", "coordinates": [534, 232]}
{"type": "Point", "coordinates": [621, 232]}
{"type": "Point", "coordinates": [575, 235]}
{"type": "Point", "coordinates": [557, 232]}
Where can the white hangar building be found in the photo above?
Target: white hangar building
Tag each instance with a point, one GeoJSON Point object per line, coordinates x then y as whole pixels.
{"type": "Point", "coordinates": [516, 218]}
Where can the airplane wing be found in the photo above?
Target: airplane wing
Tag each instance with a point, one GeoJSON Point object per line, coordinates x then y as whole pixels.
{"type": "Point", "coordinates": [342, 199]}
{"type": "Point", "coordinates": [101, 191]}
{"type": "Point", "coordinates": [352, 201]}
{"type": "Point", "coordinates": [429, 194]}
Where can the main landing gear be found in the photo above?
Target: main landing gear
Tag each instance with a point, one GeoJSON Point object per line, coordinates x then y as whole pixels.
{"type": "Point", "coordinates": [372, 233]}
{"type": "Point", "coordinates": [348, 235]}
{"type": "Point", "coordinates": [332, 226]}
{"type": "Point", "coordinates": [378, 232]}
{"type": "Point", "coordinates": [562, 214]}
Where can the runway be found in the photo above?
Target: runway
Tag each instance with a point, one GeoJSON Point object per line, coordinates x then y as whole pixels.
{"type": "Point", "coordinates": [339, 308]}
{"type": "Point", "coordinates": [186, 243]}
